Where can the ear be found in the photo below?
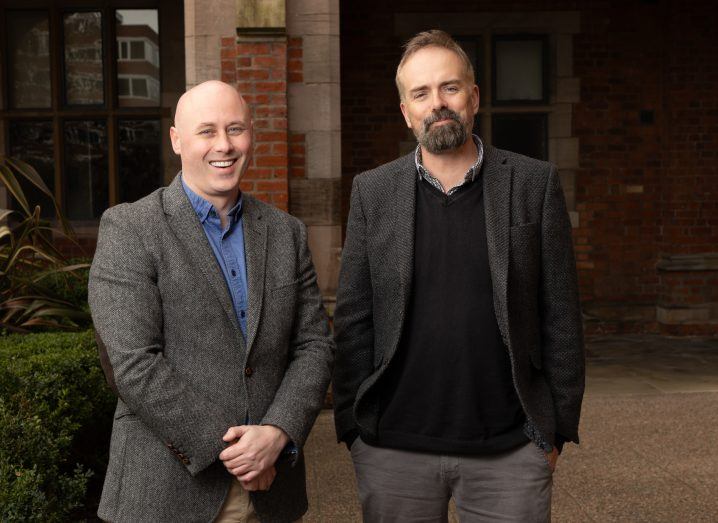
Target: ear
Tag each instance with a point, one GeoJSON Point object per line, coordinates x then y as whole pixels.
{"type": "Point", "coordinates": [175, 139]}
{"type": "Point", "coordinates": [402, 106]}
{"type": "Point", "coordinates": [475, 97]}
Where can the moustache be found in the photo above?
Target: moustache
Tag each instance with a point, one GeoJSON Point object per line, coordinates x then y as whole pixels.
{"type": "Point", "coordinates": [441, 114]}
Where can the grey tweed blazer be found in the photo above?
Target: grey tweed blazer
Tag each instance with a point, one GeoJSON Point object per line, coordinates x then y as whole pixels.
{"type": "Point", "coordinates": [534, 281]}
{"type": "Point", "coordinates": [181, 366]}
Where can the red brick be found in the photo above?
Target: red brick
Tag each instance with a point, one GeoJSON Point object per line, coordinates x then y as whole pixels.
{"type": "Point", "coordinates": [252, 74]}
{"type": "Point", "coordinates": [271, 161]}
{"type": "Point", "coordinates": [268, 87]}
{"type": "Point", "coordinates": [272, 186]}
{"type": "Point", "coordinates": [267, 62]}
{"type": "Point", "coordinates": [270, 136]}
{"type": "Point", "coordinates": [252, 49]}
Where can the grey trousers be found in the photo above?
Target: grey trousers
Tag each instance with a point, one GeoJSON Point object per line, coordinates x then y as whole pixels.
{"type": "Point", "coordinates": [403, 486]}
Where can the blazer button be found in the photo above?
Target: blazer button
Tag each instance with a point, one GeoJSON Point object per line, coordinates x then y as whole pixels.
{"type": "Point", "coordinates": [185, 461]}
{"type": "Point", "coordinates": [248, 371]}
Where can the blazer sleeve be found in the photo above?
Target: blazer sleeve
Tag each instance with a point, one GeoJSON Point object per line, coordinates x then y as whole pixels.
{"type": "Point", "coordinates": [301, 392]}
{"type": "Point", "coordinates": [353, 321]}
{"type": "Point", "coordinates": [563, 358]}
{"type": "Point", "coordinates": [126, 309]}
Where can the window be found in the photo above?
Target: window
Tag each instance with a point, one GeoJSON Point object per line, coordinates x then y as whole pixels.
{"type": "Point", "coordinates": [82, 103]}
{"type": "Point", "coordinates": [512, 75]}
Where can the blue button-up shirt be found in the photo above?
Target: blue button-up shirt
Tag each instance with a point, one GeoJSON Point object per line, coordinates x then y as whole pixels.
{"type": "Point", "coordinates": [228, 247]}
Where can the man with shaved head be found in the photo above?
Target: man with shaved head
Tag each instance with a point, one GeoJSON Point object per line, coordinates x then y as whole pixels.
{"type": "Point", "coordinates": [212, 333]}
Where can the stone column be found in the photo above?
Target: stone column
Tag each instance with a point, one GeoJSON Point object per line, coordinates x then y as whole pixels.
{"type": "Point", "coordinates": [314, 131]}
{"type": "Point", "coordinates": [206, 22]}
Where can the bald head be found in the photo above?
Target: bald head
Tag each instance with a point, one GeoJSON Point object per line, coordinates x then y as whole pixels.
{"type": "Point", "coordinates": [213, 136]}
{"type": "Point", "coordinates": [197, 98]}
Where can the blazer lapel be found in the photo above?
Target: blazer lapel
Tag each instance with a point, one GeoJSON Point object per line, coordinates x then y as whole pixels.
{"type": "Point", "coordinates": [184, 222]}
{"type": "Point", "coordinates": [497, 194]}
{"type": "Point", "coordinates": [404, 218]}
{"type": "Point", "coordinates": [255, 249]}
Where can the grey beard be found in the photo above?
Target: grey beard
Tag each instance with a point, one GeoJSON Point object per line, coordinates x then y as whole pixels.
{"type": "Point", "coordinates": [444, 138]}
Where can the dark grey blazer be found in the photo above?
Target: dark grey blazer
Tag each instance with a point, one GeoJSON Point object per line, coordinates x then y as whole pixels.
{"type": "Point", "coordinates": [534, 281]}
{"type": "Point", "coordinates": [182, 369]}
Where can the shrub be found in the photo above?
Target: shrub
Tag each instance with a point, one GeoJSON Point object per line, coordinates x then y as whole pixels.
{"type": "Point", "coordinates": [55, 421]}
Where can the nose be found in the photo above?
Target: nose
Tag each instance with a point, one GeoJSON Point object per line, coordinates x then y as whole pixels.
{"type": "Point", "coordinates": [222, 143]}
{"type": "Point", "coordinates": [437, 101]}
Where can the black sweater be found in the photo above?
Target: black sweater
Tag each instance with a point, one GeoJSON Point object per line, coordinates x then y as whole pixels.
{"type": "Point", "coordinates": [449, 389]}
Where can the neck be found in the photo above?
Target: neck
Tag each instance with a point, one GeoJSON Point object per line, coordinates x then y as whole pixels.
{"type": "Point", "coordinates": [449, 167]}
{"type": "Point", "coordinates": [222, 203]}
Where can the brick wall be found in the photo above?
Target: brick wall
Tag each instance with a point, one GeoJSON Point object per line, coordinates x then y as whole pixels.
{"type": "Point", "coordinates": [647, 125]}
{"type": "Point", "coordinates": [259, 70]}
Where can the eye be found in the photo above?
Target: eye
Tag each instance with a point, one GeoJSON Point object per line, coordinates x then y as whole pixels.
{"type": "Point", "coordinates": [206, 132]}
{"type": "Point", "coordinates": [419, 95]}
{"type": "Point", "coordinates": [235, 130]}
{"type": "Point", "coordinates": [452, 88]}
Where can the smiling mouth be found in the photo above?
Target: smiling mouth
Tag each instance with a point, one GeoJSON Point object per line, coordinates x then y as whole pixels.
{"type": "Point", "coordinates": [223, 163]}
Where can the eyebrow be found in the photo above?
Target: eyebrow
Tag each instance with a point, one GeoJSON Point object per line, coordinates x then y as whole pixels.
{"type": "Point", "coordinates": [442, 84]}
{"type": "Point", "coordinates": [212, 124]}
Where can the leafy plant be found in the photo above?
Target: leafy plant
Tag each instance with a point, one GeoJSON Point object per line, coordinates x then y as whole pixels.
{"type": "Point", "coordinates": [55, 421]}
{"type": "Point", "coordinates": [31, 264]}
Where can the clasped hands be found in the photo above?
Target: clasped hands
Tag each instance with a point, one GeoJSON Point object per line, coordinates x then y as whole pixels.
{"type": "Point", "coordinates": [253, 451]}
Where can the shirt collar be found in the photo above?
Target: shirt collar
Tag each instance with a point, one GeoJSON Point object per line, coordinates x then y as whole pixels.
{"type": "Point", "coordinates": [471, 174]}
{"type": "Point", "coordinates": [204, 209]}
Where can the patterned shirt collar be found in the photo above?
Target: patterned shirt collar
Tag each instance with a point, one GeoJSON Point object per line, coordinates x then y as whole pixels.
{"type": "Point", "coordinates": [470, 176]}
{"type": "Point", "coordinates": [204, 209]}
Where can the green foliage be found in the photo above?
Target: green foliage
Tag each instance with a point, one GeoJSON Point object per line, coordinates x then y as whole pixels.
{"type": "Point", "coordinates": [31, 265]}
{"type": "Point", "coordinates": [55, 420]}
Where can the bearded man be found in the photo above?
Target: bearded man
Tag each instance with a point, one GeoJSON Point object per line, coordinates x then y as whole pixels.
{"type": "Point", "coordinates": [459, 369]}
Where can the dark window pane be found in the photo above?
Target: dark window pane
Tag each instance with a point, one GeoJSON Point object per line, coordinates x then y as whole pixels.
{"type": "Point", "coordinates": [86, 191]}
{"type": "Point", "coordinates": [521, 133]}
{"type": "Point", "coordinates": [139, 87]}
{"type": "Point", "coordinates": [140, 158]}
{"type": "Point", "coordinates": [519, 70]}
{"type": "Point", "coordinates": [139, 58]}
{"type": "Point", "coordinates": [123, 86]}
{"type": "Point", "coordinates": [83, 58]}
{"type": "Point", "coordinates": [137, 50]}
{"type": "Point", "coordinates": [28, 36]}
{"type": "Point", "coordinates": [31, 141]}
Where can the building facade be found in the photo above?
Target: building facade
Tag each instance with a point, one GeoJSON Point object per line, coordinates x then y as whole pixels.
{"type": "Point", "coordinates": [621, 96]}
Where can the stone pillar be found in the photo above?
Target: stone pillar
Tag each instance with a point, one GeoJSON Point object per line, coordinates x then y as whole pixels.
{"type": "Point", "coordinates": [206, 22]}
{"type": "Point", "coordinates": [314, 131]}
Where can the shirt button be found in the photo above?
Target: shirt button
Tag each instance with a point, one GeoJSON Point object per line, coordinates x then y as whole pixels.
{"type": "Point", "coordinates": [242, 314]}
{"type": "Point", "coordinates": [234, 273]}
{"type": "Point", "coordinates": [248, 371]}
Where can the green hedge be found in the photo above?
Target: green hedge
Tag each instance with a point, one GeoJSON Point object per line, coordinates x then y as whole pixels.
{"type": "Point", "coordinates": [55, 422]}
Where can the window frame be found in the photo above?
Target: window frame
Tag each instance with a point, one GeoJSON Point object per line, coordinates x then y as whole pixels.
{"type": "Point", "coordinates": [487, 64]}
{"type": "Point", "coordinates": [545, 84]}
{"type": "Point", "coordinates": [59, 112]}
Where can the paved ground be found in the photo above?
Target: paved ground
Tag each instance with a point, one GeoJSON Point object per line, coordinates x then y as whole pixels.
{"type": "Point", "coordinates": [649, 449]}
